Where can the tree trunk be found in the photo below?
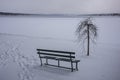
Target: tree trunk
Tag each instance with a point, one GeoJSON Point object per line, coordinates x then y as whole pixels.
{"type": "Point", "coordinates": [88, 41]}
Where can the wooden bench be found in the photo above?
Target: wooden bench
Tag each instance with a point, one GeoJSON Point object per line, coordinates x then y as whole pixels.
{"type": "Point", "coordinates": [58, 56]}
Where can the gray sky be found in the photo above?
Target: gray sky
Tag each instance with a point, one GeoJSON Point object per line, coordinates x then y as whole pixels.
{"type": "Point", "coordinates": [61, 6]}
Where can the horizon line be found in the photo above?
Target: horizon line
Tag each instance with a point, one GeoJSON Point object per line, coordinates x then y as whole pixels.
{"type": "Point", "coordinates": [60, 15]}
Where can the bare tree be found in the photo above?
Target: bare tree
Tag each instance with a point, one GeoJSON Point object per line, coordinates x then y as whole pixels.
{"type": "Point", "coordinates": [86, 31]}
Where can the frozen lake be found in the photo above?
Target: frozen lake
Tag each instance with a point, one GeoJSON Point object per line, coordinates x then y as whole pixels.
{"type": "Point", "coordinates": [62, 28]}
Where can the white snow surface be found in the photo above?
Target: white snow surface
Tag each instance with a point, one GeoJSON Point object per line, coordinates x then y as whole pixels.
{"type": "Point", "coordinates": [19, 60]}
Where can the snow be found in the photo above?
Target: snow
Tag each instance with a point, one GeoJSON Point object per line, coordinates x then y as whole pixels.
{"type": "Point", "coordinates": [19, 60]}
{"type": "Point", "coordinates": [62, 28]}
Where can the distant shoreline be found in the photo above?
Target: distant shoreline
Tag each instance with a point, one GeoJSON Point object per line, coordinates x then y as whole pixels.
{"type": "Point", "coordinates": [59, 15]}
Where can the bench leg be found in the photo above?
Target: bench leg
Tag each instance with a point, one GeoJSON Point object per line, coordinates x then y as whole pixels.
{"type": "Point", "coordinates": [58, 63]}
{"type": "Point", "coordinates": [71, 66]}
{"type": "Point", "coordinates": [77, 66]}
{"type": "Point", "coordinates": [46, 61]}
{"type": "Point", "coordinates": [40, 59]}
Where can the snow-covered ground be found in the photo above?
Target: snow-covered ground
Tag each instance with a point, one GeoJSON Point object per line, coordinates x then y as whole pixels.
{"type": "Point", "coordinates": [19, 60]}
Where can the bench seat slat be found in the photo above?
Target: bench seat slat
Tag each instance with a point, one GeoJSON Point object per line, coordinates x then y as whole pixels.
{"type": "Point", "coordinates": [48, 57]}
{"type": "Point", "coordinates": [61, 59]}
{"type": "Point", "coordinates": [60, 55]}
{"type": "Point", "coordinates": [68, 60]}
{"type": "Point", "coordinates": [65, 52]}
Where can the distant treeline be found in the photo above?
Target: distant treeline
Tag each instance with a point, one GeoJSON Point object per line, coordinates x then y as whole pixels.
{"type": "Point", "coordinates": [58, 15]}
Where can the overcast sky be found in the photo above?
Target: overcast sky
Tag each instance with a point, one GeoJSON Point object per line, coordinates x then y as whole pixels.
{"type": "Point", "coordinates": [61, 6]}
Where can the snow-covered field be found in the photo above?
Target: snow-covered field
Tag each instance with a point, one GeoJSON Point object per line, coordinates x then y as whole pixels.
{"type": "Point", "coordinates": [19, 60]}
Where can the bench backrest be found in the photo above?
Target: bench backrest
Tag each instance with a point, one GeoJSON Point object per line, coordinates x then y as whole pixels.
{"type": "Point", "coordinates": [56, 53]}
